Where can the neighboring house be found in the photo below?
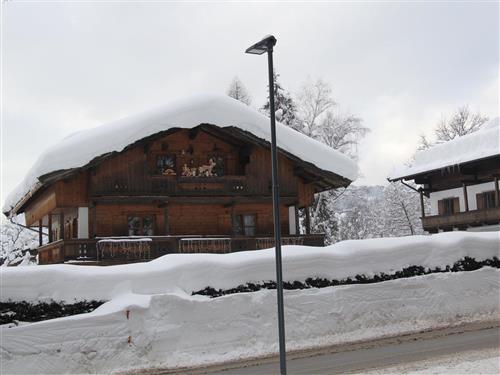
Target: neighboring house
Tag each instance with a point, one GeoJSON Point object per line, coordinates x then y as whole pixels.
{"type": "Point", "coordinates": [193, 176]}
{"type": "Point", "coordinates": [460, 177]}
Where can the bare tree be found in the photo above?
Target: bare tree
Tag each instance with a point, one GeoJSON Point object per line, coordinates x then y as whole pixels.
{"type": "Point", "coordinates": [238, 91]}
{"type": "Point", "coordinates": [463, 121]}
{"type": "Point", "coordinates": [342, 132]}
{"type": "Point", "coordinates": [314, 99]}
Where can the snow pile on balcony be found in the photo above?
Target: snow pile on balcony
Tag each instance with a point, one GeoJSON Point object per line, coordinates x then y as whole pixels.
{"type": "Point", "coordinates": [478, 145]}
{"type": "Point", "coordinates": [152, 320]}
{"type": "Point", "coordinates": [80, 148]}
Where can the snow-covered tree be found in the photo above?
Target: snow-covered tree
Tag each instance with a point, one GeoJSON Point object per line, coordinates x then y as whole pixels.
{"type": "Point", "coordinates": [462, 121]}
{"type": "Point", "coordinates": [16, 241]}
{"type": "Point", "coordinates": [284, 105]}
{"type": "Point", "coordinates": [402, 211]}
{"type": "Point", "coordinates": [238, 91]}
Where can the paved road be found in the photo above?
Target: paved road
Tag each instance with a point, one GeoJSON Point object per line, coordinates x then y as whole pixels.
{"type": "Point", "coordinates": [388, 355]}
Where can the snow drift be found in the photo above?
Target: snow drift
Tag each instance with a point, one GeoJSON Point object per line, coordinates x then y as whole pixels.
{"type": "Point", "coordinates": [80, 148]}
{"type": "Point", "coordinates": [153, 320]}
{"type": "Point", "coordinates": [191, 272]}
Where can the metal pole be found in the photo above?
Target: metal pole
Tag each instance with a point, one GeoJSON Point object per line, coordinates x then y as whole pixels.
{"type": "Point", "coordinates": [276, 213]}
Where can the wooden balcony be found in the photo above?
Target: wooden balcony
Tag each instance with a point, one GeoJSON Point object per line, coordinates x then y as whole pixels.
{"type": "Point", "coordinates": [462, 220]}
{"type": "Point", "coordinates": [118, 250]}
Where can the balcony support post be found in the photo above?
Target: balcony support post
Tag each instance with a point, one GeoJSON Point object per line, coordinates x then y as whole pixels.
{"type": "Point", "coordinates": [422, 207]}
{"type": "Point", "coordinates": [40, 238]}
{"type": "Point", "coordinates": [51, 239]}
{"type": "Point", "coordinates": [61, 225]}
{"type": "Point", "coordinates": [497, 193]}
{"type": "Point", "coordinates": [466, 199]}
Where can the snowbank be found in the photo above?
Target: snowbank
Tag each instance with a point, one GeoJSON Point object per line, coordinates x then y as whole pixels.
{"type": "Point", "coordinates": [80, 148]}
{"type": "Point", "coordinates": [480, 144]}
{"type": "Point", "coordinates": [190, 272]}
{"type": "Point", "coordinates": [152, 319]}
{"type": "Point", "coordinates": [169, 330]}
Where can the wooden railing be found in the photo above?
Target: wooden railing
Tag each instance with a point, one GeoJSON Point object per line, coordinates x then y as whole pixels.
{"type": "Point", "coordinates": [112, 250]}
{"type": "Point", "coordinates": [462, 219]}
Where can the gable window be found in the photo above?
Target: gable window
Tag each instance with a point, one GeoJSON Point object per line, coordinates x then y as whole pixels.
{"type": "Point", "coordinates": [140, 225]}
{"type": "Point", "coordinates": [244, 225]}
{"type": "Point", "coordinates": [486, 200]}
{"type": "Point", "coordinates": [165, 165]}
{"type": "Point", "coordinates": [448, 206]}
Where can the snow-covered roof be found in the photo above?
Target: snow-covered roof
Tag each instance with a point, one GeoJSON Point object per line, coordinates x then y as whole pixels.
{"type": "Point", "coordinates": [80, 148]}
{"type": "Point", "coordinates": [481, 144]}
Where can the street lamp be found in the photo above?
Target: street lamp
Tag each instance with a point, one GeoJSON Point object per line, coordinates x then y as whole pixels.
{"type": "Point", "coordinates": [266, 45]}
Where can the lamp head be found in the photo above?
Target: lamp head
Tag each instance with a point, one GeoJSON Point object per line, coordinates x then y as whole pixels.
{"type": "Point", "coordinates": [263, 46]}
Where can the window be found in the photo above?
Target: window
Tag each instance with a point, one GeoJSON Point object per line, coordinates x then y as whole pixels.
{"type": "Point", "coordinates": [165, 165]}
{"type": "Point", "coordinates": [244, 225]}
{"type": "Point", "coordinates": [486, 200]}
{"type": "Point", "coordinates": [448, 206]}
{"type": "Point", "coordinates": [140, 225]}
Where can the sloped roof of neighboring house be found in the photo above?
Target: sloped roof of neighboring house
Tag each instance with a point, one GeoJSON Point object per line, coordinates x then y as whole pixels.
{"type": "Point", "coordinates": [80, 148]}
{"type": "Point", "coordinates": [481, 144]}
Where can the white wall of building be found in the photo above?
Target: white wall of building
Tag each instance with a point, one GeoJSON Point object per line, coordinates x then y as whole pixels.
{"type": "Point", "coordinates": [472, 190]}
{"type": "Point", "coordinates": [291, 220]}
{"type": "Point", "coordinates": [83, 222]}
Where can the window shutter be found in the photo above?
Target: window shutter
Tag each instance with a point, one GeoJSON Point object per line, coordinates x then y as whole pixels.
{"type": "Point", "coordinates": [480, 201]}
{"type": "Point", "coordinates": [441, 207]}
{"type": "Point", "coordinates": [456, 205]}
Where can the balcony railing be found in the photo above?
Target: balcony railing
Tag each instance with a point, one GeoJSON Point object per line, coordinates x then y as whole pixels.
{"type": "Point", "coordinates": [115, 250]}
{"type": "Point", "coordinates": [462, 220]}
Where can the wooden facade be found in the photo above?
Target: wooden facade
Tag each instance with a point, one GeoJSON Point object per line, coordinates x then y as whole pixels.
{"type": "Point", "coordinates": [203, 189]}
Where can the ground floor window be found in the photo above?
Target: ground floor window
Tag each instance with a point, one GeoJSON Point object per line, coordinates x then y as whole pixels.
{"type": "Point", "coordinates": [244, 225]}
{"type": "Point", "coordinates": [141, 225]}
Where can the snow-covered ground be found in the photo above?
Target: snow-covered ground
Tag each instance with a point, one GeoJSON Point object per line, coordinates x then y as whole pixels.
{"type": "Point", "coordinates": [152, 319]}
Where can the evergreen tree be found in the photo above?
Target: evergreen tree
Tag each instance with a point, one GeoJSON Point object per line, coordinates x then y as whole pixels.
{"type": "Point", "coordinates": [238, 91]}
{"type": "Point", "coordinates": [284, 105]}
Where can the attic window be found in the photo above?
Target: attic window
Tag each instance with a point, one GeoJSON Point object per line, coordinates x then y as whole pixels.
{"type": "Point", "coordinates": [165, 165]}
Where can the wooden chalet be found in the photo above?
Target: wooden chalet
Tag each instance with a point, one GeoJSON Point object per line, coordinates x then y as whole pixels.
{"type": "Point", "coordinates": [194, 176]}
{"type": "Point", "coordinates": [460, 177]}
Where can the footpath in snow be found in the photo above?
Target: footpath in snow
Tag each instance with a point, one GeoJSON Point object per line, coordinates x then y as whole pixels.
{"type": "Point", "coordinates": [152, 319]}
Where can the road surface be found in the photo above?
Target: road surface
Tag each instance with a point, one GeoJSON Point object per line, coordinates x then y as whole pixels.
{"type": "Point", "coordinates": [380, 356]}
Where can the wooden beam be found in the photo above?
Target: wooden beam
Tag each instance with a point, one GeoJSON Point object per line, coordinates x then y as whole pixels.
{"type": "Point", "coordinates": [466, 200]}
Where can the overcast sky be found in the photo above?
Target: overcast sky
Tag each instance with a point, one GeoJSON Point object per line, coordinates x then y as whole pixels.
{"type": "Point", "coordinates": [399, 66]}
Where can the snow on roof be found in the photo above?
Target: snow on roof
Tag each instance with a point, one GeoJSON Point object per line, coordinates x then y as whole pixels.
{"type": "Point", "coordinates": [474, 146]}
{"type": "Point", "coordinates": [80, 148]}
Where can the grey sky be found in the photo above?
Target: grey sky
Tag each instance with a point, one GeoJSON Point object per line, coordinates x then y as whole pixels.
{"type": "Point", "coordinates": [399, 66]}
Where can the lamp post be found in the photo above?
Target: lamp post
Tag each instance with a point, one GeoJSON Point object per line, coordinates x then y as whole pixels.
{"type": "Point", "coordinates": [266, 45]}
